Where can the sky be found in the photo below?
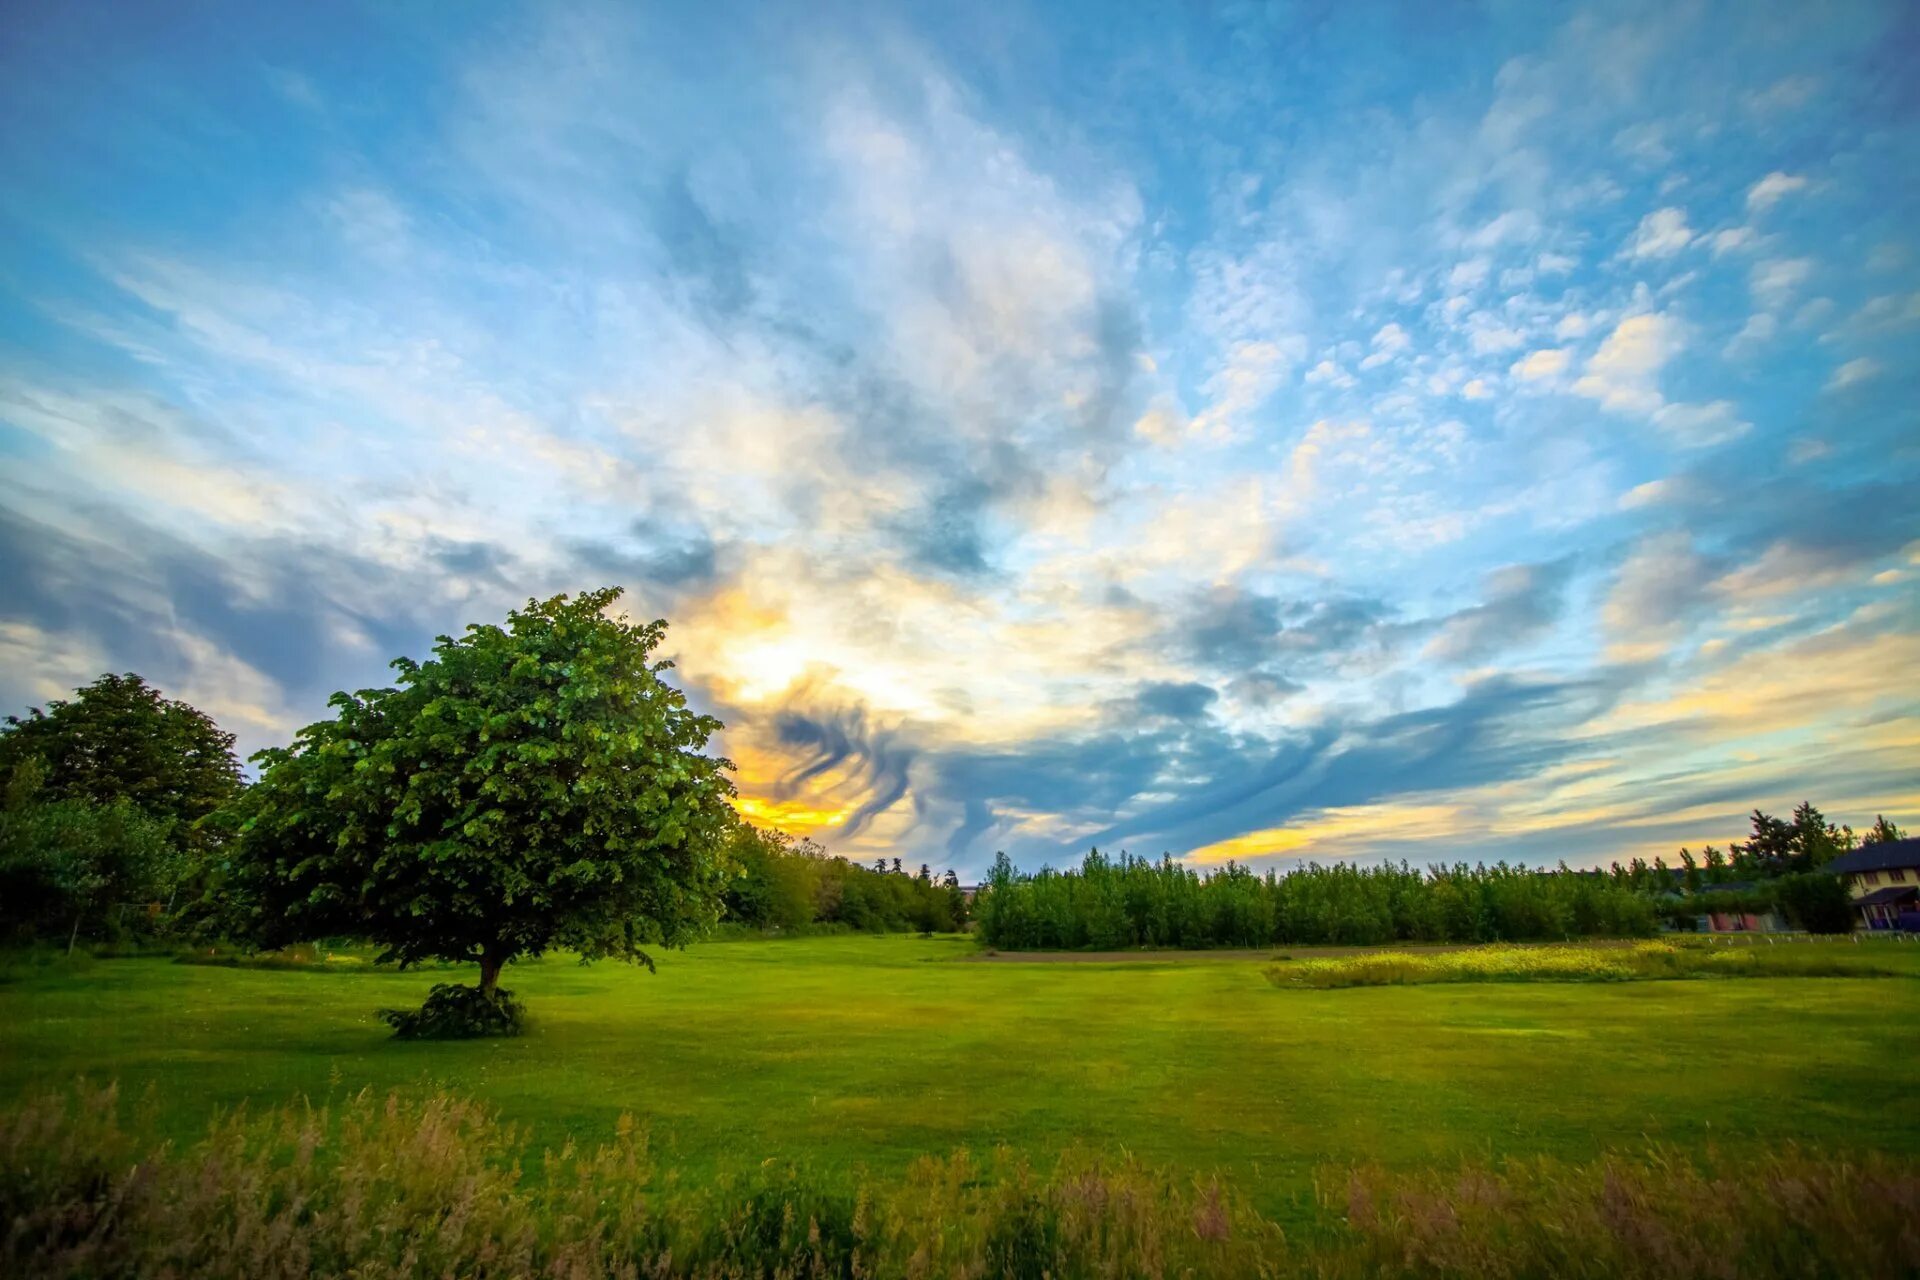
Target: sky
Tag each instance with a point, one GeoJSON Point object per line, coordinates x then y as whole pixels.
{"type": "Point", "coordinates": [1256, 432]}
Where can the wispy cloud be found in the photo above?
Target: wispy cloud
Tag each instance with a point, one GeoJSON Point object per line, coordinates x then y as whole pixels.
{"type": "Point", "coordinates": [1327, 452]}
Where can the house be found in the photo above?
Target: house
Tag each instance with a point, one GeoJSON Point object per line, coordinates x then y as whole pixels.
{"type": "Point", "coordinates": [1884, 882]}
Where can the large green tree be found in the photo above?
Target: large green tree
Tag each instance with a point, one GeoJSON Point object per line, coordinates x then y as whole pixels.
{"type": "Point", "coordinates": [530, 786]}
{"type": "Point", "coordinates": [119, 739]}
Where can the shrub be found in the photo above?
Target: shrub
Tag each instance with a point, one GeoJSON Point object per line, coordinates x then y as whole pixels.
{"type": "Point", "coordinates": [1816, 902]}
{"type": "Point", "coordinates": [74, 866]}
{"type": "Point", "coordinates": [456, 1012]}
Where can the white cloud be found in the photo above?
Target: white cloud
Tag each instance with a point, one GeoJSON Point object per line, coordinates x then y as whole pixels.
{"type": "Point", "coordinates": [1661, 234]}
{"type": "Point", "coordinates": [1519, 225]}
{"type": "Point", "coordinates": [1470, 274]}
{"type": "Point", "coordinates": [1388, 342]}
{"type": "Point", "coordinates": [1549, 362]}
{"type": "Point", "coordinates": [1776, 279]}
{"type": "Point", "coordinates": [1788, 94]}
{"type": "Point", "coordinates": [1731, 240]}
{"type": "Point", "coordinates": [1391, 337]}
{"type": "Point", "coordinates": [1888, 311]}
{"type": "Point", "coordinates": [1251, 372]}
{"type": "Point", "coordinates": [1490, 335]}
{"type": "Point", "coordinates": [1767, 192]}
{"type": "Point", "coordinates": [43, 665]}
{"type": "Point", "coordinates": [1644, 142]}
{"type": "Point", "coordinates": [1653, 493]}
{"type": "Point", "coordinates": [1161, 424]}
{"type": "Point", "coordinates": [1756, 333]}
{"type": "Point", "coordinates": [1698, 425]}
{"type": "Point", "coordinates": [1623, 374]}
{"type": "Point", "coordinates": [1853, 372]}
{"type": "Point", "coordinates": [1805, 449]}
{"type": "Point", "coordinates": [1327, 373]}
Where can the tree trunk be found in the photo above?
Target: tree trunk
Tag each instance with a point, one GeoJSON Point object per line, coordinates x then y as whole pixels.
{"type": "Point", "coordinates": [74, 936]}
{"type": "Point", "coordinates": [491, 961]}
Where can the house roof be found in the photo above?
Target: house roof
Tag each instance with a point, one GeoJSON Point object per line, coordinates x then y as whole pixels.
{"type": "Point", "coordinates": [1889, 896]}
{"type": "Point", "coordinates": [1884, 856]}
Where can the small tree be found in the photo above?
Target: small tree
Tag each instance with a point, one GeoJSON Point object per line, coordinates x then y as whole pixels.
{"type": "Point", "coordinates": [956, 899]}
{"type": "Point", "coordinates": [1716, 864]}
{"type": "Point", "coordinates": [525, 788]}
{"type": "Point", "coordinates": [1881, 832]}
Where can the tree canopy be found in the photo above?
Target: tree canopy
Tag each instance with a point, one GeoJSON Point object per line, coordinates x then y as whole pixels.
{"type": "Point", "coordinates": [119, 740]}
{"type": "Point", "coordinates": [528, 786]}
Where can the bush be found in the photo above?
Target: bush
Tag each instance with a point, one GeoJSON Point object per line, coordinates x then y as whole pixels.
{"type": "Point", "coordinates": [456, 1012]}
{"type": "Point", "coordinates": [1816, 902]}
{"type": "Point", "coordinates": [73, 868]}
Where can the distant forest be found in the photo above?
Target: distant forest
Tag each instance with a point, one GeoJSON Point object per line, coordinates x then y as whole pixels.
{"type": "Point", "coordinates": [1109, 903]}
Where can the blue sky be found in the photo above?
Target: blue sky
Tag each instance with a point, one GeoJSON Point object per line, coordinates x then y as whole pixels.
{"type": "Point", "coordinates": [1265, 432]}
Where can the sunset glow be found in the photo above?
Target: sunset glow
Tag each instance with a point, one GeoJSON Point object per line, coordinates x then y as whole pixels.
{"type": "Point", "coordinates": [1044, 428]}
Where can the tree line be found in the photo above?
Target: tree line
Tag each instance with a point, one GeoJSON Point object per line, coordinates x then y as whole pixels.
{"type": "Point", "coordinates": [1777, 847]}
{"type": "Point", "coordinates": [783, 885]}
{"type": "Point", "coordinates": [1110, 903]}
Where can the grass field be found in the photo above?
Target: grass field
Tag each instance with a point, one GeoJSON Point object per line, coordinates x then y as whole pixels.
{"type": "Point", "coordinates": [862, 1053]}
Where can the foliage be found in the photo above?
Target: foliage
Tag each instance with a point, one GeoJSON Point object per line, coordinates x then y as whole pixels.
{"type": "Point", "coordinates": [788, 886]}
{"type": "Point", "coordinates": [402, 1186]}
{"type": "Point", "coordinates": [1774, 848]}
{"type": "Point", "coordinates": [119, 740]}
{"type": "Point", "coordinates": [1641, 962]}
{"type": "Point", "coordinates": [105, 796]}
{"type": "Point", "coordinates": [1882, 831]}
{"type": "Point", "coordinates": [1814, 901]}
{"type": "Point", "coordinates": [454, 1012]}
{"type": "Point", "coordinates": [527, 787]}
{"type": "Point", "coordinates": [74, 866]}
{"type": "Point", "coordinates": [1108, 904]}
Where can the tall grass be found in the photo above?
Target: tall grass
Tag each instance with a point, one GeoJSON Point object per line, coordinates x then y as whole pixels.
{"type": "Point", "coordinates": [392, 1187]}
{"type": "Point", "coordinates": [1640, 962]}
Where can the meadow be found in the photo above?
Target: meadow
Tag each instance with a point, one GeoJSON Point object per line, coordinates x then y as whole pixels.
{"type": "Point", "coordinates": [852, 1056]}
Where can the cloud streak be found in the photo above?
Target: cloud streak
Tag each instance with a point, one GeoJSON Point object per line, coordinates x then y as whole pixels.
{"type": "Point", "coordinates": [1236, 437]}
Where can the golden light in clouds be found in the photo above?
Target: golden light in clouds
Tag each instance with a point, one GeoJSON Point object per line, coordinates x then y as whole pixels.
{"type": "Point", "coordinates": [1330, 833]}
{"type": "Point", "coordinates": [794, 817]}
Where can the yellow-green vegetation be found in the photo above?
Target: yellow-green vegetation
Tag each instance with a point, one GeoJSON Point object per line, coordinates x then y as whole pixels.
{"type": "Point", "coordinates": [1576, 962]}
{"type": "Point", "coordinates": [406, 1185]}
{"type": "Point", "coordinates": [854, 1056]}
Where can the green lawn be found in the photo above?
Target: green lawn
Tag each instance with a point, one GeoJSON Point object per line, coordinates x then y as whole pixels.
{"type": "Point", "coordinates": [843, 1052]}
